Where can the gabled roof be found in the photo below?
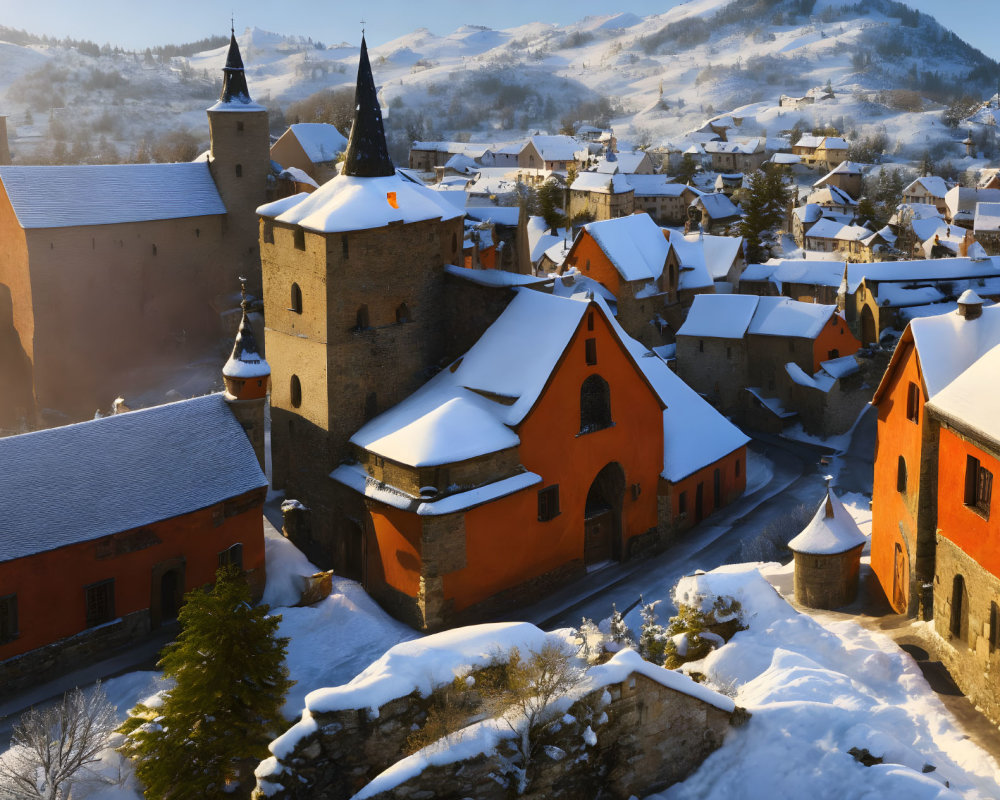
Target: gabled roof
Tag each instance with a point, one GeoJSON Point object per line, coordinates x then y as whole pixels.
{"type": "Point", "coordinates": [809, 141]}
{"type": "Point", "coordinates": [782, 316]}
{"type": "Point", "coordinates": [717, 206]}
{"type": "Point", "coordinates": [658, 185]}
{"type": "Point", "coordinates": [825, 228]}
{"type": "Point", "coordinates": [969, 401]}
{"type": "Point", "coordinates": [93, 479]}
{"type": "Point", "coordinates": [320, 141]}
{"type": "Point", "coordinates": [843, 168]}
{"type": "Point", "coordinates": [599, 182]}
{"type": "Point", "coordinates": [931, 184]}
{"type": "Point", "coordinates": [624, 162]}
{"type": "Point", "coordinates": [987, 217]}
{"type": "Point", "coordinates": [64, 196]}
{"type": "Point", "coordinates": [692, 256]}
{"type": "Point", "coordinates": [556, 148]}
{"type": "Point", "coordinates": [831, 196]}
{"type": "Point", "coordinates": [834, 143]}
{"type": "Point", "coordinates": [813, 272]}
{"type": "Point", "coordinates": [724, 316]}
{"type": "Point", "coordinates": [635, 245]}
{"type": "Point", "coordinates": [961, 200]}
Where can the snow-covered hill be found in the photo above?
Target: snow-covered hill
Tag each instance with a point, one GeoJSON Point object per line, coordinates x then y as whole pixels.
{"type": "Point", "coordinates": [653, 78]}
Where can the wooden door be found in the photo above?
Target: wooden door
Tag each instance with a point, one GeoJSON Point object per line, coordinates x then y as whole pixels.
{"type": "Point", "coordinates": [899, 580]}
{"type": "Point", "coordinates": [598, 532]}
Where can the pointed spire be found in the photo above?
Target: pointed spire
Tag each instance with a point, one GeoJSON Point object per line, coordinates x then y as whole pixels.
{"type": "Point", "coordinates": [367, 155]}
{"type": "Point", "coordinates": [234, 79]}
{"type": "Point", "coordinates": [245, 360]}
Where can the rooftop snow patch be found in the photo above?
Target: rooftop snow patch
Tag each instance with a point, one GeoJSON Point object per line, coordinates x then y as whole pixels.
{"type": "Point", "coordinates": [947, 344]}
{"type": "Point", "coordinates": [782, 316]}
{"type": "Point", "coordinates": [321, 141]}
{"type": "Point", "coordinates": [726, 316]}
{"type": "Point", "coordinates": [969, 401]}
{"type": "Point", "coordinates": [832, 530]}
{"type": "Point", "coordinates": [64, 196]}
{"type": "Point", "coordinates": [635, 245]}
{"type": "Point", "coordinates": [81, 482]}
{"type": "Point", "coordinates": [348, 203]}
{"type": "Point", "coordinates": [491, 277]}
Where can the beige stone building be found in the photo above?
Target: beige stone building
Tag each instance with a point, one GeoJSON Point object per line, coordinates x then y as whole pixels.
{"type": "Point", "coordinates": [105, 269]}
{"type": "Point", "coordinates": [312, 147]}
{"type": "Point", "coordinates": [601, 197]}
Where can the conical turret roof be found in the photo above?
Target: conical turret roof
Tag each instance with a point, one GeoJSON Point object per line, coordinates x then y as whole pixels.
{"type": "Point", "coordinates": [246, 360]}
{"type": "Point", "coordinates": [832, 530]}
{"type": "Point", "coordinates": [234, 79]}
{"type": "Point", "coordinates": [367, 155]}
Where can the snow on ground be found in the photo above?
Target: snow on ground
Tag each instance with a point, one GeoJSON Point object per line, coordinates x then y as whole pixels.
{"type": "Point", "coordinates": [759, 471]}
{"type": "Point", "coordinates": [816, 691]}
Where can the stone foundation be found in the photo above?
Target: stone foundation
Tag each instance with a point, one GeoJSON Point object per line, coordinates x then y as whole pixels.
{"type": "Point", "coordinates": [827, 581]}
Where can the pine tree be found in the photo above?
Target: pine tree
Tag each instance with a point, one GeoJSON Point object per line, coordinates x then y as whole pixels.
{"type": "Point", "coordinates": [619, 632]}
{"type": "Point", "coordinates": [652, 635]}
{"type": "Point", "coordinates": [231, 680]}
{"type": "Point", "coordinates": [763, 201]}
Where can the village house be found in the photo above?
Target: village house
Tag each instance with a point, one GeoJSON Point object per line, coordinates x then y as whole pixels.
{"type": "Point", "coordinates": [114, 519]}
{"type": "Point", "coordinates": [805, 148]}
{"type": "Point", "coordinates": [878, 296]}
{"type": "Point", "coordinates": [626, 162]}
{"type": "Point", "coordinates": [805, 216]}
{"type": "Point", "coordinates": [425, 156]}
{"type": "Point", "coordinates": [846, 176]}
{"type": "Point", "coordinates": [804, 280]}
{"type": "Point", "coordinates": [166, 241]}
{"type": "Point", "coordinates": [597, 196]}
{"type": "Point", "coordinates": [312, 147]}
{"type": "Point", "coordinates": [961, 201]}
{"type": "Point", "coordinates": [481, 492]}
{"type": "Point", "coordinates": [929, 190]}
{"type": "Point", "coordinates": [986, 227]}
{"type": "Point", "coordinates": [554, 153]}
{"type": "Point", "coordinates": [922, 512]}
{"type": "Point", "coordinates": [667, 203]}
{"type": "Point", "coordinates": [714, 212]}
{"type": "Point", "coordinates": [833, 199]}
{"type": "Point", "coordinates": [747, 353]}
{"type": "Point", "coordinates": [731, 157]}
{"type": "Point", "coordinates": [831, 152]}
{"type": "Point", "coordinates": [707, 263]}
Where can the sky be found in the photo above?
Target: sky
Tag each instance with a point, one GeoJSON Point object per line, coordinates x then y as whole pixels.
{"type": "Point", "coordinates": [137, 26]}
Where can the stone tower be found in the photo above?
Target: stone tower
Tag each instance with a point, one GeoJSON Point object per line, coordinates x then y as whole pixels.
{"type": "Point", "coordinates": [247, 375]}
{"type": "Point", "coordinates": [240, 158]}
{"type": "Point", "coordinates": [353, 290]}
{"type": "Point", "coordinates": [4, 145]}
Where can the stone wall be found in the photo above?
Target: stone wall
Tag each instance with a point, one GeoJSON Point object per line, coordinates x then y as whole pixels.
{"type": "Point", "coordinates": [970, 659]}
{"type": "Point", "coordinates": [715, 368]}
{"type": "Point", "coordinates": [827, 581]}
{"type": "Point", "coordinates": [628, 738]}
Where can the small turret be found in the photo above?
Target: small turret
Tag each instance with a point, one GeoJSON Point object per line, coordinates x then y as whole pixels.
{"type": "Point", "coordinates": [367, 155]}
{"type": "Point", "coordinates": [247, 376]}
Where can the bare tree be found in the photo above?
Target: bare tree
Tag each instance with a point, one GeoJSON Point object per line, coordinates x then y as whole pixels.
{"type": "Point", "coordinates": [52, 748]}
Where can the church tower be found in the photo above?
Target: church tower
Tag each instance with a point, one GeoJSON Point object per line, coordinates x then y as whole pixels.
{"type": "Point", "coordinates": [240, 158]}
{"type": "Point", "coordinates": [246, 375]}
{"type": "Point", "coordinates": [353, 290]}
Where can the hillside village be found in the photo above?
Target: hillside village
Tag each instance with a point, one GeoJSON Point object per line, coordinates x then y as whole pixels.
{"type": "Point", "coordinates": [732, 387]}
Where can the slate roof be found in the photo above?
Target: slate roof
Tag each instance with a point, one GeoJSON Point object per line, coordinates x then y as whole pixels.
{"type": "Point", "coordinates": [63, 196]}
{"type": "Point", "coordinates": [85, 481]}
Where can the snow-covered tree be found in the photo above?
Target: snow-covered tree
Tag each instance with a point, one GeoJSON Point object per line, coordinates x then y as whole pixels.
{"type": "Point", "coordinates": [53, 748]}
{"type": "Point", "coordinates": [230, 682]}
{"type": "Point", "coordinates": [618, 631]}
{"type": "Point", "coordinates": [652, 635]}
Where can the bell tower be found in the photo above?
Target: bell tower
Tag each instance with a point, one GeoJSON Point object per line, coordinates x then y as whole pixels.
{"type": "Point", "coordinates": [239, 159]}
{"type": "Point", "coordinates": [247, 376]}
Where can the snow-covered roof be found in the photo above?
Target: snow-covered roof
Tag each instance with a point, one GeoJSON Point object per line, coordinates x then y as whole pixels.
{"type": "Point", "coordinates": [834, 143]}
{"type": "Point", "coordinates": [556, 148]}
{"type": "Point", "coordinates": [720, 252]}
{"type": "Point", "coordinates": [321, 141]}
{"type": "Point", "coordinates": [757, 272]}
{"type": "Point", "coordinates": [501, 215]}
{"type": "Point", "coordinates": [925, 269]}
{"type": "Point", "coordinates": [742, 148]}
{"type": "Point", "coordinates": [931, 184]}
{"type": "Point", "coordinates": [970, 399]}
{"type": "Point", "coordinates": [725, 316]}
{"type": "Point", "coordinates": [962, 200]}
{"type": "Point", "coordinates": [814, 272]}
{"type": "Point", "coordinates": [987, 217]}
{"type": "Point", "coordinates": [841, 367]}
{"type": "Point", "coordinates": [948, 344]}
{"type": "Point", "coordinates": [93, 479]}
{"type": "Point", "coordinates": [625, 162]}
{"type": "Point", "coordinates": [657, 186]}
{"type": "Point", "coordinates": [348, 203]}
{"type": "Point", "coordinates": [821, 380]}
{"type": "Point", "coordinates": [63, 196]}
{"type": "Point", "coordinates": [298, 176]}
{"type": "Point", "coordinates": [843, 168]}
{"type": "Point", "coordinates": [810, 212]}
{"type": "Point", "coordinates": [853, 233]}
{"type": "Point", "coordinates": [691, 254]}
{"type": "Point", "coordinates": [825, 228]}
{"type": "Point", "coordinates": [597, 182]}
{"type": "Point", "coordinates": [491, 277]}
{"type": "Point", "coordinates": [786, 159]}
{"type": "Point", "coordinates": [717, 206]}
{"type": "Point", "coordinates": [809, 141]}
{"type": "Point", "coordinates": [635, 245]}
{"type": "Point", "coordinates": [831, 196]}
{"type": "Point", "coordinates": [832, 530]}
{"type": "Point", "coordinates": [782, 316]}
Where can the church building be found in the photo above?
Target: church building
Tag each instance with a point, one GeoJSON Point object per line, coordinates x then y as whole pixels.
{"type": "Point", "coordinates": [106, 268]}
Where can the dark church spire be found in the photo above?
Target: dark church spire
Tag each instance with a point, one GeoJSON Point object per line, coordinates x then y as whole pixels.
{"type": "Point", "coordinates": [367, 155]}
{"type": "Point", "coordinates": [234, 79]}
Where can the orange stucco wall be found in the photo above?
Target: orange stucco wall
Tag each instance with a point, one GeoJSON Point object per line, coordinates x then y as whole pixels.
{"type": "Point", "coordinates": [50, 586]}
{"type": "Point", "coordinates": [897, 436]}
{"type": "Point", "coordinates": [976, 536]}
{"type": "Point", "coordinates": [14, 272]}
{"type": "Point", "coordinates": [585, 250]}
{"type": "Point", "coordinates": [396, 550]}
{"type": "Point", "coordinates": [506, 544]}
{"type": "Point", "coordinates": [731, 485]}
{"type": "Point", "coordinates": [834, 336]}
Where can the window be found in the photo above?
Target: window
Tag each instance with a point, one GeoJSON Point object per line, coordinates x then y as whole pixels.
{"type": "Point", "coordinates": [268, 232]}
{"type": "Point", "coordinates": [239, 170]}
{"type": "Point", "coordinates": [8, 618]}
{"type": "Point", "coordinates": [701, 345]}
{"type": "Point", "coordinates": [682, 503]}
{"type": "Point", "coordinates": [402, 313]}
{"type": "Point", "coordinates": [361, 321]}
{"type": "Point", "coordinates": [154, 249]}
{"type": "Point", "coordinates": [587, 265]}
{"type": "Point", "coordinates": [548, 503]}
{"type": "Point", "coordinates": [833, 353]}
{"type": "Point", "coordinates": [100, 602]}
{"type": "Point", "coordinates": [590, 346]}
{"type": "Point", "coordinates": [595, 404]}
{"type": "Point", "coordinates": [956, 623]}
{"type": "Point", "coordinates": [232, 557]}
{"type": "Point", "coordinates": [299, 239]}
{"type": "Point", "coordinates": [295, 390]}
{"type": "Point", "coordinates": [901, 475]}
{"type": "Point", "coordinates": [978, 486]}
{"type": "Point", "coordinates": [590, 321]}
{"type": "Point", "coordinates": [994, 625]}
{"type": "Point", "coordinates": [913, 402]}
{"type": "Point", "coordinates": [296, 305]}
{"type": "Point", "coordinates": [371, 406]}
{"type": "Point", "coordinates": [729, 352]}
{"type": "Point", "coordinates": [239, 127]}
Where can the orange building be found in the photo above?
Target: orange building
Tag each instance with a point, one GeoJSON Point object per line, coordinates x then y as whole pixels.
{"type": "Point", "coordinates": [554, 444]}
{"type": "Point", "coordinates": [931, 354]}
{"type": "Point", "coordinates": [108, 523]}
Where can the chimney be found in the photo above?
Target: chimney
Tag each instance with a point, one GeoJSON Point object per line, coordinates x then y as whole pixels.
{"type": "Point", "coordinates": [970, 305]}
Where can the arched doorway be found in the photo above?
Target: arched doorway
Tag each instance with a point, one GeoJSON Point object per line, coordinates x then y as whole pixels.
{"type": "Point", "coordinates": [899, 579]}
{"type": "Point", "coordinates": [167, 591]}
{"type": "Point", "coordinates": [602, 526]}
{"type": "Point", "coordinates": [869, 330]}
{"type": "Point", "coordinates": [354, 550]}
{"type": "Point", "coordinates": [957, 625]}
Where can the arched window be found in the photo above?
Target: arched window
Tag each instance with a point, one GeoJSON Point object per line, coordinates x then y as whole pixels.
{"type": "Point", "coordinates": [296, 305]}
{"type": "Point", "coordinates": [957, 622]}
{"type": "Point", "coordinates": [901, 475]}
{"type": "Point", "coordinates": [361, 319]}
{"type": "Point", "coordinates": [595, 404]}
{"type": "Point", "coordinates": [239, 170]}
{"type": "Point", "coordinates": [994, 627]}
{"type": "Point", "coordinates": [403, 313]}
{"type": "Point", "coordinates": [295, 390]}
